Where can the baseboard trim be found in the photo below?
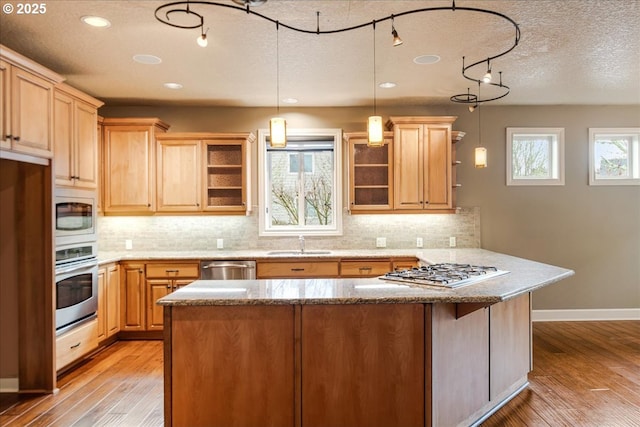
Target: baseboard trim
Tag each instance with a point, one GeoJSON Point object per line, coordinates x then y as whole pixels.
{"type": "Point", "coordinates": [585, 315]}
{"type": "Point", "coordinates": [9, 385]}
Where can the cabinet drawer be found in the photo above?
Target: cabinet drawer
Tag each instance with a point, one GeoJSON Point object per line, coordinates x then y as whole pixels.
{"type": "Point", "coordinates": [404, 264]}
{"type": "Point", "coordinates": [294, 269]}
{"type": "Point", "coordinates": [364, 268]}
{"type": "Point", "coordinates": [173, 270]}
{"type": "Point", "coordinates": [76, 343]}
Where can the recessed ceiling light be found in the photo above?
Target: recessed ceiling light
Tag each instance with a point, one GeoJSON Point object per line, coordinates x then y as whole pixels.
{"type": "Point", "coordinates": [290, 101]}
{"type": "Point", "coordinates": [147, 59]}
{"type": "Point", "coordinates": [172, 85]}
{"type": "Point", "coordinates": [426, 59]}
{"type": "Point", "coordinates": [387, 85]}
{"type": "Point", "coordinates": [96, 21]}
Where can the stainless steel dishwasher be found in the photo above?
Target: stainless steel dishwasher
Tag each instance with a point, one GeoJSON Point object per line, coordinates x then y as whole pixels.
{"type": "Point", "coordinates": [227, 270]}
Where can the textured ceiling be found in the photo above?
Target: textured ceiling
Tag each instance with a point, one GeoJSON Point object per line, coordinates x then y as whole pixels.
{"type": "Point", "coordinates": [570, 52]}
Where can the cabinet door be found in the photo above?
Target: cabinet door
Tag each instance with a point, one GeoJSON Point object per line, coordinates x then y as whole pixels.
{"type": "Point", "coordinates": [437, 173]}
{"type": "Point", "coordinates": [113, 299]}
{"type": "Point", "coordinates": [32, 113]}
{"type": "Point", "coordinates": [370, 174]}
{"type": "Point", "coordinates": [225, 175]}
{"type": "Point", "coordinates": [86, 145]}
{"type": "Point", "coordinates": [132, 301]}
{"type": "Point", "coordinates": [245, 360]}
{"type": "Point", "coordinates": [102, 303]}
{"type": "Point", "coordinates": [5, 105]}
{"type": "Point", "coordinates": [363, 365]}
{"type": "Point", "coordinates": [156, 289]}
{"type": "Point", "coordinates": [63, 138]}
{"type": "Point", "coordinates": [179, 175]}
{"type": "Point", "coordinates": [129, 169]}
{"type": "Point", "coordinates": [408, 167]}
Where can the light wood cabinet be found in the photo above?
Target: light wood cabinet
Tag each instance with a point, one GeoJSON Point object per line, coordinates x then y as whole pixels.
{"type": "Point", "coordinates": [226, 173]}
{"type": "Point", "coordinates": [162, 279]}
{"type": "Point", "coordinates": [129, 165]}
{"type": "Point", "coordinates": [422, 163]}
{"type": "Point", "coordinates": [370, 173]}
{"type": "Point", "coordinates": [132, 297]}
{"type": "Point", "coordinates": [75, 138]}
{"type": "Point", "coordinates": [108, 301]}
{"type": "Point", "coordinates": [179, 173]}
{"type": "Point", "coordinates": [295, 269]}
{"type": "Point", "coordinates": [26, 105]}
{"type": "Point", "coordinates": [76, 343]}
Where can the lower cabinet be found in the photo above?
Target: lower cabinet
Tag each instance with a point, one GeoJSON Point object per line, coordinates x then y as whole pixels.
{"type": "Point", "coordinates": [108, 301]}
{"type": "Point", "coordinates": [293, 269]}
{"type": "Point", "coordinates": [162, 279]}
{"type": "Point", "coordinates": [132, 297]}
{"type": "Point", "coordinates": [76, 343]}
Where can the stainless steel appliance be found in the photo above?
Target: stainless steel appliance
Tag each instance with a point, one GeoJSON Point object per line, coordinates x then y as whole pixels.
{"type": "Point", "coordinates": [449, 275]}
{"type": "Point", "coordinates": [227, 270]}
{"type": "Point", "coordinates": [75, 216]}
{"type": "Point", "coordinates": [76, 293]}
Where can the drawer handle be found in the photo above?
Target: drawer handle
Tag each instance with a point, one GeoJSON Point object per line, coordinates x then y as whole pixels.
{"type": "Point", "coordinates": [297, 269]}
{"type": "Point", "coordinates": [172, 271]}
{"type": "Point", "coordinates": [74, 346]}
{"type": "Point", "coordinates": [365, 268]}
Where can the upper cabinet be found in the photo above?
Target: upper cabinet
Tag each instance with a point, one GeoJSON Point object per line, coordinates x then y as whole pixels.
{"type": "Point", "coordinates": [129, 164]}
{"type": "Point", "coordinates": [423, 163]}
{"type": "Point", "coordinates": [26, 105]}
{"type": "Point", "coordinates": [178, 173]}
{"type": "Point", "coordinates": [75, 138]}
{"type": "Point", "coordinates": [370, 173]}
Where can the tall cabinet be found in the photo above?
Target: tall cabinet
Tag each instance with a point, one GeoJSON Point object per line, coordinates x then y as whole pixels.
{"type": "Point", "coordinates": [422, 162]}
{"type": "Point", "coordinates": [129, 164]}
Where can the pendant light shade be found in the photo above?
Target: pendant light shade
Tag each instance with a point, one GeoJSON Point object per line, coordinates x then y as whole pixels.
{"type": "Point", "coordinates": [375, 137]}
{"type": "Point", "coordinates": [481, 157]}
{"type": "Point", "coordinates": [278, 132]}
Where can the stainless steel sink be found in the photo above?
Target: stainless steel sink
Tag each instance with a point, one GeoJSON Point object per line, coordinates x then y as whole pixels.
{"type": "Point", "coordinates": [286, 252]}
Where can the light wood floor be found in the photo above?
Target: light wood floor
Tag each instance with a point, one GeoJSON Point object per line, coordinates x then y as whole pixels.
{"type": "Point", "coordinates": [585, 374]}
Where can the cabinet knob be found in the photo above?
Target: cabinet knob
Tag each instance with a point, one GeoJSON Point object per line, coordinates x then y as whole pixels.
{"type": "Point", "coordinates": [16, 138]}
{"type": "Point", "coordinates": [168, 286]}
{"type": "Point", "coordinates": [8, 137]}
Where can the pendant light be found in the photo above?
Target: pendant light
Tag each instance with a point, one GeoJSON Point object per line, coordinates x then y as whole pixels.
{"type": "Point", "coordinates": [278, 125]}
{"type": "Point", "coordinates": [480, 152]}
{"type": "Point", "coordinates": [375, 134]}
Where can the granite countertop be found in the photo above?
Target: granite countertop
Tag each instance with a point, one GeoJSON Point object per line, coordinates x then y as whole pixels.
{"type": "Point", "coordinates": [524, 276]}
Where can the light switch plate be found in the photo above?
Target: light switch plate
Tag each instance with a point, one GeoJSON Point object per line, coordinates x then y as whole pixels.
{"type": "Point", "coordinates": [220, 243]}
{"type": "Point", "coordinates": [452, 242]}
{"type": "Point", "coordinates": [419, 242]}
{"type": "Point", "coordinates": [128, 244]}
{"type": "Point", "coordinates": [381, 242]}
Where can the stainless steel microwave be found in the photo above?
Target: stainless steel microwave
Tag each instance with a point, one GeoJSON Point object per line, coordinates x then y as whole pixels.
{"type": "Point", "coordinates": [75, 216]}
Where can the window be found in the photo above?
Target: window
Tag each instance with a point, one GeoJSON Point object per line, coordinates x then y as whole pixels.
{"type": "Point", "coordinates": [300, 185]}
{"type": "Point", "coordinates": [535, 156]}
{"type": "Point", "coordinates": [614, 156]}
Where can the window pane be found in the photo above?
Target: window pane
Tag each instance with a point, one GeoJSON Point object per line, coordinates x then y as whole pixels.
{"type": "Point", "coordinates": [318, 188]}
{"type": "Point", "coordinates": [531, 158]}
{"type": "Point", "coordinates": [284, 190]}
{"type": "Point", "coordinates": [612, 157]}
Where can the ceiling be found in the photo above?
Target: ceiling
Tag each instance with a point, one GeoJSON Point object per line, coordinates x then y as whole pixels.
{"type": "Point", "coordinates": [570, 52]}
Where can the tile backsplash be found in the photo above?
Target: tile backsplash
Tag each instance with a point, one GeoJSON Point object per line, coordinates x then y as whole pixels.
{"type": "Point", "coordinates": [199, 233]}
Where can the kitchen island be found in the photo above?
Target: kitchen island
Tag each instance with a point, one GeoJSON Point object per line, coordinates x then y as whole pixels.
{"type": "Point", "coordinates": [350, 352]}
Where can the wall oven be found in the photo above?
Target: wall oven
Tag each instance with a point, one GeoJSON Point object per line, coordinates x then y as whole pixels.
{"type": "Point", "coordinates": [75, 216]}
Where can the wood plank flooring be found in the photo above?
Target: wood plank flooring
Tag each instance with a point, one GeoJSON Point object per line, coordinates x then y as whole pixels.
{"type": "Point", "coordinates": [585, 374]}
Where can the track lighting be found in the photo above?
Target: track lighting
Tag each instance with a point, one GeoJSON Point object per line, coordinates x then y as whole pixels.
{"type": "Point", "coordinates": [202, 39]}
{"type": "Point", "coordinates": [278, 125]}
{"type": "Point", "coordinates": [397, 41]}
{"type": "Point", "coordinates": [375, 137]}
{"type": "Point", "coordinates": [481, 157]}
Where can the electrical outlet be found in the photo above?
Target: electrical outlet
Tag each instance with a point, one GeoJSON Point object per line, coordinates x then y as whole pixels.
{"type": "Point", "coordinates": [452, 242]}
{"type": "Point", "coordinates": [128, 244]}
{"type": "Point", "coordinates": [220, 243]}
{"type": "Point", "coordinates": [419, 242]}
{"type": "Point", "coordinates": [381, 242]}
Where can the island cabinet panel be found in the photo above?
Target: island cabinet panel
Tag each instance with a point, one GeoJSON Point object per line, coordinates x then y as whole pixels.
{"type": "Point", "coordinates": [363, 365]}
{"type": "Point", "coordinates": [232, 366]}
{"type": "Point", "coordinates": [460, 361]}
{"type": "Point", "coordinates": [510, 345]}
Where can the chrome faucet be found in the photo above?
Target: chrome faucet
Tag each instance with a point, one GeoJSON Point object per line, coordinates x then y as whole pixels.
{"type": "Point", "coordinates": [301, 239]}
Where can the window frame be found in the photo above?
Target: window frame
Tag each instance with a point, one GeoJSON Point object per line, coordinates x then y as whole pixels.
{"type": "Point", "coordinates": [633, 157]}
{"type": "Point", "coordinates": [555, 154]}
{"type": "Point", "coordinates": [268, 230]}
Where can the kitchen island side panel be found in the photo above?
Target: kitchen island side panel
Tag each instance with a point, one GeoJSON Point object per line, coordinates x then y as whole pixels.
{"type": "Point", "coordinates": [232, 366]}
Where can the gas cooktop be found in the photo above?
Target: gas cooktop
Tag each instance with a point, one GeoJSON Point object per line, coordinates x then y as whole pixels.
{"type": "Point", "coordinates": [449, 275]}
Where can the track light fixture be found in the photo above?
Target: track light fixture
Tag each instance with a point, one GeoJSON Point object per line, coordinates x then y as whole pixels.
{"type": "Point", "coordinates": [164, 12]}
{"type": "Point", "coordinates": [480, 153]}
{"type": "Point", "coordinates": [278, 125]}
{"type": "Point", "coordinates": [397, 41]}
{"type": "Point", "coordinates": [375, 135]}
{"type": "Point", "coordinates": [202, 39]}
